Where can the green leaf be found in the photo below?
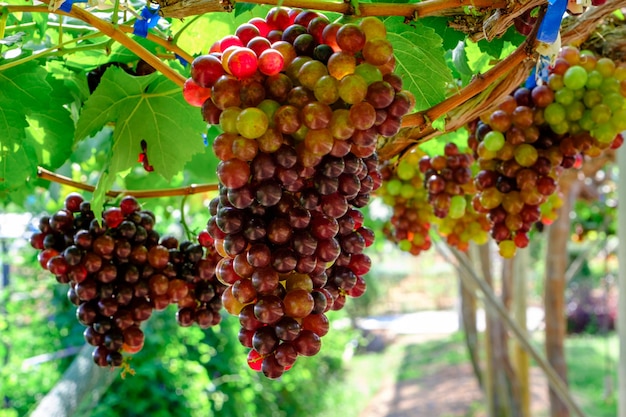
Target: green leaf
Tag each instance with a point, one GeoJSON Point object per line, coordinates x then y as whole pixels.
{"type": "Point", "coordinates": [420, 62]}
{"type": "Point", "coordinates": [18, 160]}
{"type": "Point", "coordinates": [241, 8]}
{"type": "Point", "coordinates": [149, 108]}
{"type": "Point", "coordinates": [26, 84]}
{"type": "Point", "coordinates": [51, 133]}
{"type": "Point", "coordinates": [441, 26]}
{"type": "Point", "coordinates": [199, 35]}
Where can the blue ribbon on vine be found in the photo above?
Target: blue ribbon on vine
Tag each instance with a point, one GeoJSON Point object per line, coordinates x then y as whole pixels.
{"type": "Point", "coordinates": [148, 19]}
{"type": "Point", "coordinates": [551, 23]}
{"type": "Point", "coordinates": [66, 6]}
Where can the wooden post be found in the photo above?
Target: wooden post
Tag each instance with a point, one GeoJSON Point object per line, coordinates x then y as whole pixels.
{"type": "Point", "coordinates": [521, 361]}
{"type": "Point", "coordinates": [621, 255]}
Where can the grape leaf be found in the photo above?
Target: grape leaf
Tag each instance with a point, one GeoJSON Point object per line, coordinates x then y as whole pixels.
{"type": "Point", "coordinates": [440, 25]}
{"type": "Point", "coordinates": [149, 108]}
{"type": "Point", "coordinates": [26, 84]}
{"type": "Point", "coordinates": [420, 62]}
{"type": "Point", "coordinates": [17, 158]}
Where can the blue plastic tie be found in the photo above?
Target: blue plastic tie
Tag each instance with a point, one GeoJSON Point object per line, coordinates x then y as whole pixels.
{"type": "Point", "coordinates": [182, 60]}
{"type": "Point", "coordinates": [66, 6]}
{"type": "Point", "coordinates": [551, 23]}
{"type": "Point", "coordinates": [531, 81]}
{"type": "Point", "coordinates": [148, 19]}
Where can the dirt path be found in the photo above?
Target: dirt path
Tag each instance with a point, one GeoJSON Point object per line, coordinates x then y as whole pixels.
{"type": "Point", "coordinates": [450, 392]}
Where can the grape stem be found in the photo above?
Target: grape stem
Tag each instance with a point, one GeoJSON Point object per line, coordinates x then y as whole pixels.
{"type": "Point", "coordinates": [165, 192]}
{"type": "Point", "coordinates": [426, 8]}
{"type": "Point", "coordinates": [119, 34]}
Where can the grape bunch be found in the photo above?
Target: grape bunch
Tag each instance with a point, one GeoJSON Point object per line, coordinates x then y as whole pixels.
{"type": "Point", "coordinates": [403, 190]}
{"type": "Point", "coordinates": [472, 226]}
{"type": "Point", "coordinates": [300, 102]}
{"type": "Point", "coordinates": [119, 271]}
{"type": "Point", "coordinates": [448, 178]}
{"type": "Point", "coordinates": [534, 134]}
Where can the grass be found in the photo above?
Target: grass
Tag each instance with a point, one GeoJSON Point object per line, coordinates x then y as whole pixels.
{"type": "Point", "coordinates": [591, 360]}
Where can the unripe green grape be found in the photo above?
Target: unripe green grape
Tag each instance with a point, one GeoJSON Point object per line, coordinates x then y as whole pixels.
{"type": "Point", "coordinates": [372, 27]}
{"type": "Point", "coordinates": [490, 198]}
{"type": "Point", "coordinates": [575, 77]}
{"type": "Point", "coordinates": [594, 80]}
{"type": "Point", "coordinates": [404, 245]}
{"type": "Point", "coordinates": [252, 123]}
{"type": "Point", "coordinates": [554, 113]}
{"type": "Point", "coordinates": [610, 85]}
{"type": "Point", "coordinates": [407, 191]}
{"type": "Point", "coordinates": [269, 107]}
{"type": "Point", "coordinates": [601, 114]}
{"type": "Point", "coordinates": [341, 64]}
{"type": "Point", "coordinates": [605, 66]}
{"type": "Point", "coordinates": [326, 89]}
{"type": "Point", "coordinates": [526, 155]}
{"type": "Point", "coordinates": [507, 248]}
{"type": "Point", "coordinates": [592, 98]}
{"type": "Point", "coordinates": [228, 119]}
{"type": "Point", "coordinates": [369, 72]}
{"type": "Point", "coordinates": [604, 133]}
{"type": "Point", "coordinates": [319, 141]}
{"type": "Point", "coordinates": [614, 101]}
{"type": "Point", "coordinates": [564, 96]}
{"type": "Point", "coordinates": [575, 111]}
{"type": "Point", "coordinates": [586, 122]}
{"type": "Point", "coordinates": [405, 170]}
{"type": "Point", "coordinates": [394, 186]}
{"type": "Point", "coordinates": [494, 141]}
{"type": "Point", "coordinates": [560, 128]}
{"type": "Point", "coordinates": [618, 120]}
{"type": "Point", "coordinates": [457, 207]}
{"type": "Point", "coordinates": [310, 73]}
{"type": "Point", "coordinates": [352, 89]}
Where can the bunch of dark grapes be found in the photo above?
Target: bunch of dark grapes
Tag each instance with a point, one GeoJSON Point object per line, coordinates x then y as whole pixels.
{"type": "Point", "coordinates": [523, 145]}
{"type": "Point", "coordinates": [448, 178]}
{"type": "Point", "coordinates": [301, 103]}
{"type": "Point", "coordinates": [118, 272]}
{"type": "Point", "coordinates": [194, 286]}
{"type": "Point", "coordinates": [403, 190]}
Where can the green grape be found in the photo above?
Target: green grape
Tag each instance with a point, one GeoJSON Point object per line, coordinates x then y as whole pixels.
{"type": "Point", "coordinates": [457, 207]}
{"type": "Point", "coordinates": [494, 141]}
{"type": "Point", "coordinates": [564, 96]}
{"type": "Point", "coordinates": [610, 85]}
{"type": "Point", "coordinates": [311, 72]}
{"type": "Point", "coordinates": [594, 80]}
{"type": "Point", "coordinates": [252, 123]}
{"type": "Point", "coordinates": [228, 119]}
{"type": "Point", "coordinates": [526, 155]}
{"type": "Point", "coordinates": [618, 120]}
{"type": "Point", "coordinates": [369, 72]}
{"type": "Point", "coordinates": [269, 107]}
{"type": "Point", "coordinates": [601, 114]}
{"type": "Point", "coordinates": [394, 186]}
{"type": "Point", "coordinates": [326, 89]}
{"type": "Point", "coordinates": [554, 113]}
{"type": "Point", "coordinates": [575, 77]}
{"type": "Point", "coordinates": [575, 111]}
{"type": "Point", "coordinates": [405, 170]}
{"type": "Point", "coordinates": [352, 89]}
{"type": "Point", "coordinates": [407, 191]}
{"type": "Point", "coordinates": [614, 101]}
{"type": "Point", "coordinates": [507, 248]}
{"type": "Point", "coordinates": [591, 98]}
{"type": "Point", "coordinates": [604, 133]}
{"type": "Point", "coordinates": [404, 245]}
{"type": "Point", "coordinates": [586, 122]}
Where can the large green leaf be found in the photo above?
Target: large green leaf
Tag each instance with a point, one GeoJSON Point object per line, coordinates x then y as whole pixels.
{"type": "Point", "coordinates": [149, 108]}
{"type": "Point", "coordinates": [17, 159]}
{"type": "Point", "coordinates": [27, 85]}
{"type": "Point", "coordinates": [420, 61]}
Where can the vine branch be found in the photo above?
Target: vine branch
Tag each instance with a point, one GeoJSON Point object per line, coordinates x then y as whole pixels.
{"type": "Point", "coordinates": [119, 34]}
{"type": "Point", "coordinates": [47, 175]}
{"type": "Point", "coordinates": [184, 8]}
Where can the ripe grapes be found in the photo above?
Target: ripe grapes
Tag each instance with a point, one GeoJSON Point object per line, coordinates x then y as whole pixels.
{"type": "Point", "coordinates": [119, 270]}
{"type": "Point", "coordinates": [296, 165]}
